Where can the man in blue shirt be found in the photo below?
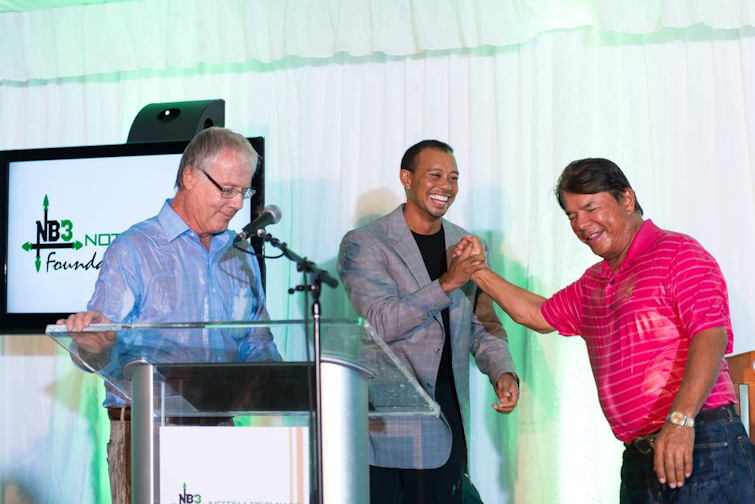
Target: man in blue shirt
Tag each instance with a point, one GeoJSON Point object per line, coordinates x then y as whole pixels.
{"type": "Point", "coordinates": [179, 266]}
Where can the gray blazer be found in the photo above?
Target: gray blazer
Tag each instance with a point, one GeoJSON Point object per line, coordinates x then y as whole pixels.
{"type": "Point", "coordinates": [385, 276]}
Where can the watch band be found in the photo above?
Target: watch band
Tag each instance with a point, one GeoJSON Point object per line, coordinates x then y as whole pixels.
{"type": "Point", "coordinates": [680, 419]}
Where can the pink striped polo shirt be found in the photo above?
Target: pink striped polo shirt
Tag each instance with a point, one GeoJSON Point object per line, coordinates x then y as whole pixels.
{"type": "Point", "coordinates": [638, 323]}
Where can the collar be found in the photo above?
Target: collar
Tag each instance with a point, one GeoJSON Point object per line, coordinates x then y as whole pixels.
{"type": "Point", "coordinates": [642, 242]}
{"type": "Point", "coordinates": [174, 226]}
{"type": "Point", "coordinates": [398, 228]}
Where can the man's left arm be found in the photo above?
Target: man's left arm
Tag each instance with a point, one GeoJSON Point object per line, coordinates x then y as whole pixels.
{"type": "Point", "coordinates": [697, 289]}
{"type": "Point", "coordinates": [258, 345]}
{"type": "Point", "coordinates": [489, 345]}
{"type": "Point", "coordinates": [674, 444]}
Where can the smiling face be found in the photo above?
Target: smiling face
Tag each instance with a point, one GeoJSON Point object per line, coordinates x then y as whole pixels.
{"type": "Point", "coordinates": [607, 226]}
{"type": "Point", "coordinates": [430, 190]}
{"type": "Point", "coordinates": [200, 203]}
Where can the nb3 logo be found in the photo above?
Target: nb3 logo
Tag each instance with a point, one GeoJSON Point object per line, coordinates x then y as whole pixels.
{"type": "Point", "coordinates": [51, 234]}
{"type": "Point", "coordinates": [187, 498]}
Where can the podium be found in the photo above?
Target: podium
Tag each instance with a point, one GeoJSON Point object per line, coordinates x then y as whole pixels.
{"type": "Point", "coordinates": [171, 373]}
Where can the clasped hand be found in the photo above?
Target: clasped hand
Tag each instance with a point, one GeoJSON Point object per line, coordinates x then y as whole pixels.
{"type": "Point", "coordinates": [467, 258]}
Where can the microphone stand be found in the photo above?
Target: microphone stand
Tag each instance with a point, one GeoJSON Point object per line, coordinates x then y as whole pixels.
{"type": "Point", "coordinates": [318, 277]}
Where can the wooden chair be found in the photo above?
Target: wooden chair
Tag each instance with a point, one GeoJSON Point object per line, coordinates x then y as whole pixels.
{"type": "Point", "coordinates": [742, 370]}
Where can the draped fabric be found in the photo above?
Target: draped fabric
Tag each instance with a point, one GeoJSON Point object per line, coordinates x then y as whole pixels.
{"type": "Point", "coordinates": [123, 36]}
{"type": "Point", "coordinates": [339, 90]}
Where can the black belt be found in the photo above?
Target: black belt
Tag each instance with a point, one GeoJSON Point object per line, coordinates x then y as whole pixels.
{"type": "Point", "coordinates": [644, 444]}
{"type": "Point", "coordinates": [728, 412]}
{"type": "Point", "coordinates": [124, 413]}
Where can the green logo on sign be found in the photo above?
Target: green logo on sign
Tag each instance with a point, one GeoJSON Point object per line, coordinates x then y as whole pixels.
{"type": "Point", "coordinates": [187, 498]}
{"type": "Point", "coordinates": [51, 234]}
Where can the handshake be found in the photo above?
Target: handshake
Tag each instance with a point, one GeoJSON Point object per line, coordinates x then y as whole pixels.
{"type": "Point", "coordinates": [467, 259]}
{"type": "Point", "coordinates": [469, 245]}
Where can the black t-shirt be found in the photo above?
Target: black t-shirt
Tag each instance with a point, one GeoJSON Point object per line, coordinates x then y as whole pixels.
{"type": "Point", "coordinates": [433, 250]}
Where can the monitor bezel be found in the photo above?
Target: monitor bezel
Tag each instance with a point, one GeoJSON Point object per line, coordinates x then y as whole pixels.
{"type": "Point", "coordinates": [35, 323]}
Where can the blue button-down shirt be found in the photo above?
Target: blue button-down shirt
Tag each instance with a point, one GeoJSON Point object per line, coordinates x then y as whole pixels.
{"type": "Point", "coordinates": [159, 272]}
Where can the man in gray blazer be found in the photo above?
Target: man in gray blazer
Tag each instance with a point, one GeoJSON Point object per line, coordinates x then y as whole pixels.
{"type": "Point", "coordinates": [400, 275]}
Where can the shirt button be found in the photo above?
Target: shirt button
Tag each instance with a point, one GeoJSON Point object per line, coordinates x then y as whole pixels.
{"type": "Point", "coordinates": [612, 282]}
{"type": "Point", "coordinates": [611, 305]}
{"type": "Point", "coordinates": [429, 385]}
{"type": "Point", "coordinates": [437, 350]}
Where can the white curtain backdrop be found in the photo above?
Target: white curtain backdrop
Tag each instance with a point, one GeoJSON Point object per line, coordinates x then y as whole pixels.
{"type": "Point", "coordinates": [117, 36]}
{"type": "Point", "coordinates": [666, 90]}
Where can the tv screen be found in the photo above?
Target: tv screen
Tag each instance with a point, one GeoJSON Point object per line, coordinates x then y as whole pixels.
{"type": "Point", "coordinates": [62, 209]}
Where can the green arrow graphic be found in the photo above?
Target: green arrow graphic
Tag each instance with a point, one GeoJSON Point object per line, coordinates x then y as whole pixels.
{"type": "Point", "coordinates": [46, 204]}
{"type": "Point", "coordinates": [37, 263]}
{"type": "Point", "coordinates": [26, 246]}
{"type": "Point", "coordinates": [77, 245]}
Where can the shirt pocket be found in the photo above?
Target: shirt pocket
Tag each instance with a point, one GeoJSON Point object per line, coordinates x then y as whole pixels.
{"type": "Point", "coordinates": [241, 303]}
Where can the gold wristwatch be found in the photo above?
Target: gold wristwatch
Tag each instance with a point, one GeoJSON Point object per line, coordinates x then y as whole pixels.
{"type": "Point", "coordinates": [680, 419]}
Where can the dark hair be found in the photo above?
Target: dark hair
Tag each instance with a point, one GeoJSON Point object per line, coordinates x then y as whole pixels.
{"type": "Point", "coordinates": [591, 176]}
{"type": "Point", "coordinates": [206, 146]}
{"type": "Point", "coordinates": [409, 161]}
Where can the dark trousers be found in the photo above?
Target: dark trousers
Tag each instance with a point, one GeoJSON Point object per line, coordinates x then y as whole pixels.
{"type": "Point", "coordinates": [723, 470]}
{"type": "Point", "coordinates": [417, 486]}
{"type": "Point", "coordinates": [428, 486]}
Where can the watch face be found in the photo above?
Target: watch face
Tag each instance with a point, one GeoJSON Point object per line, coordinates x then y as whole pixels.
{"type": "Point", "coordinates": [678, 418]}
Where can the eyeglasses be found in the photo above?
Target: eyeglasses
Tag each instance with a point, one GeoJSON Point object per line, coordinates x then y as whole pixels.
{"type": "Point", "coordinates": [230, 193]}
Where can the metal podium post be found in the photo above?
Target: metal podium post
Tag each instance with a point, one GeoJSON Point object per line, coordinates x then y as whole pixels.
{"type": "Point", "coordinates": [142, 431]}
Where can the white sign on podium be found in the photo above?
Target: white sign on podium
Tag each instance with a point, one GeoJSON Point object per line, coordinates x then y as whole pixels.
{"type": "Point", "coordinates": [219, 465]}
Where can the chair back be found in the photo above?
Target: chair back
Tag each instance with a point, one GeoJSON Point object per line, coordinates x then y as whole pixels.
{"type": "Point", "coordinates": [743, 373]}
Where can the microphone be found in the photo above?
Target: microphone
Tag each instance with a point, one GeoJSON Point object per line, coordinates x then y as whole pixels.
{"type": "Point", "coordinates": [271, 214]}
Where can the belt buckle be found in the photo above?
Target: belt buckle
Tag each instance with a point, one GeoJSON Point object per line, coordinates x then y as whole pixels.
{"type": "Point", "coordinates": [644, 444]}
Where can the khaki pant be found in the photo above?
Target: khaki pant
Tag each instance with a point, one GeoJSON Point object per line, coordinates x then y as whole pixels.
{"type": "Point", "coordinates": [119, 461]}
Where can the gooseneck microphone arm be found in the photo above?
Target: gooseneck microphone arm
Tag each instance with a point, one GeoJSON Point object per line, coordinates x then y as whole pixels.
{"type": "Point", "coordinates": [271, 214]}
{"type": "Point", "coordinates": [302, 264]}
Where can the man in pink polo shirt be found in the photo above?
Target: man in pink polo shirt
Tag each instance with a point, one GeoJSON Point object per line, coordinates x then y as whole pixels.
{"type": "Point", "coordinates": [655, 316]}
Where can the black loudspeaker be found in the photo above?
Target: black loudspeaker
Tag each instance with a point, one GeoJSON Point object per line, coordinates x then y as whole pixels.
{"type": "Point", "coordinates": [176, 121]}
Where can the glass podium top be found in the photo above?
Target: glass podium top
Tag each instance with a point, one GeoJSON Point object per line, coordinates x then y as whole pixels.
{"type": "Point", "coordinates": [234, 368]}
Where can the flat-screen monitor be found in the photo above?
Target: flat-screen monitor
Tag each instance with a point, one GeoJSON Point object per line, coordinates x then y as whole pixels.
{"type": "Point", "coordinates": [62, 208]}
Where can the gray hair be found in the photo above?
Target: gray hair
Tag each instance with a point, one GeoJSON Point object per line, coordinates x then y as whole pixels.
{"type": "Point", "coordinates": [203, 150]}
